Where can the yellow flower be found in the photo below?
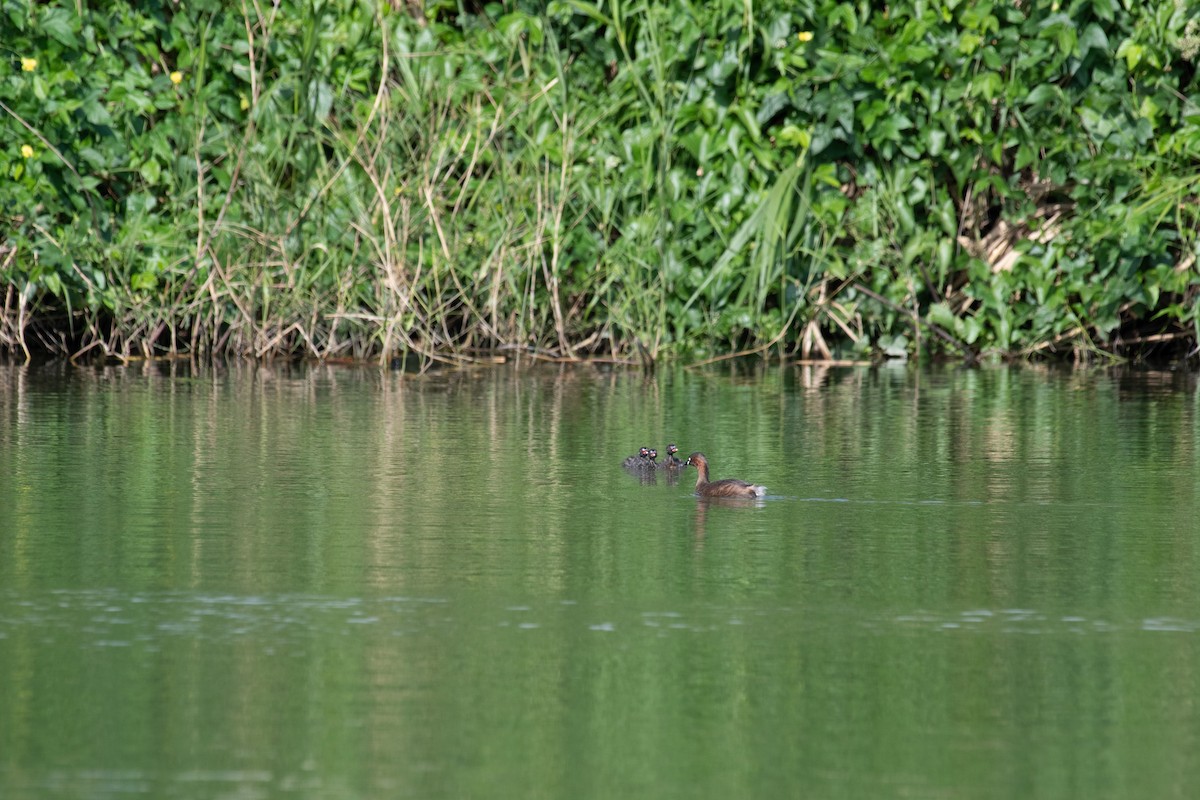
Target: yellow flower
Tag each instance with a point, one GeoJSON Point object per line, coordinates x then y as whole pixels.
{"type": "Point", "coordinates": [26, 151]}
{"type": "Point", "coordinates": [28, 64]}
{"type": "Point", "coordinates": [176, 77]}
{"type": "Point", "coordinates": [805, 36]}
{"type": "Point", "coordinates": [244, 102]}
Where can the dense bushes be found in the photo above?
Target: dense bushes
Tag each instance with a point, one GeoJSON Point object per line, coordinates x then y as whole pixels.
{"type": "Point", "coordinates": [333, 178]}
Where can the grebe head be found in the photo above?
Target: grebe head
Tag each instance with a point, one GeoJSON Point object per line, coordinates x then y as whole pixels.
{"type": "Point", "coordinates": [653, 454]}
{"type": "Point", "coordinates": [672, 449]}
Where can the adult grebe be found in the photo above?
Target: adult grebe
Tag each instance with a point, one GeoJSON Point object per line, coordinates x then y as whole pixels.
{"type": "Point", "coordinates": [729, 487]}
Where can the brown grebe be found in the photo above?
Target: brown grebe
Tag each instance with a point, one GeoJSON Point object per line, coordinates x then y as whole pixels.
{"type": "Point", "coordinates": [729, 487]}
{"type": "Point", "coordinates": [672, 462]}
{"type": "Point", "coordinates": [638, 461]}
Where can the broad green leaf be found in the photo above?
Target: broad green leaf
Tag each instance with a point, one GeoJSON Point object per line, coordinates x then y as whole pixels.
{"type": "Point", "coordinates": [941, 315]}
{"type": "Point", "coordinates": [96, 113]}
{"type": "Point", "coordinates": [1043, 93]}
{"type": "Point", "coordinates": [1093, 38]}
{"type": "Point", "coordinates": [150, 171]}
{"type": "Point", "coordinates": [937, 141]}
{"type": "Point", "coordinates": [60, 24]}
{"type": "Point", "coordinates": [1132, 52]}
{"type": "Point", "coordinates": [1104, 9]}
{"type": "Point", "coordinates": [968, 43]}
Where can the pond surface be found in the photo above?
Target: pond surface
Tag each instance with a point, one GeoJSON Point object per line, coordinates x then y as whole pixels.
{"type": "Point", "coordinates": [268, 582]}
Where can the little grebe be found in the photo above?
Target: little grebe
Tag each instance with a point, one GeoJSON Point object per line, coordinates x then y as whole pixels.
{"type": "Point", "coordinates": [729, 487]}
{"type": "Point", "coordinates": [672, 462]}
{"type": "Point", "coordinates": [638, 461]}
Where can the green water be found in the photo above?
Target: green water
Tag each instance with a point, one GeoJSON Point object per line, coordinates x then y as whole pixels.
{"type": "Point", "coordinates": [319, 583]}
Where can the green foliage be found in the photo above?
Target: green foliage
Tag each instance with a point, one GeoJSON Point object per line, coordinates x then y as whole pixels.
{"type": "Point", "coordinates": [336, 178]}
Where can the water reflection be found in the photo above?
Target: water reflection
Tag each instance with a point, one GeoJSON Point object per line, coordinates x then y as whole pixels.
{"type": "Point", "coordinates": [290, 580]}
{"type": "Point", "coordinates": [703, 504]}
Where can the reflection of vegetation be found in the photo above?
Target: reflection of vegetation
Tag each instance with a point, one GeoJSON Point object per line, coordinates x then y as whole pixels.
{"type": "Point", "coordinates": [224, 579]}
{"type": "Point", "coordinates": [588, 178]}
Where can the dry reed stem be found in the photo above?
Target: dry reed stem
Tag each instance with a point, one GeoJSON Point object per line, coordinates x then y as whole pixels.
{"type": "Point", "coordinates": [556, 251]}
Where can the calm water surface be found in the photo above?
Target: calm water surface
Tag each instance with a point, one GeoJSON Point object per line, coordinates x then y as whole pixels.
{"type": "Point", "coordinates": [316, 583]}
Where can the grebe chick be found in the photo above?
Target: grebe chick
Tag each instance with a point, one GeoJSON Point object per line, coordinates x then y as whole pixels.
{"type": "Point", "coordinates": [672, 462]}
{"type": "Point", "coordinates": [637, 461]}
{"type": "Point", "coordinates": [729, 487]}
{"type": "Point", "coordinates": [651, 463]}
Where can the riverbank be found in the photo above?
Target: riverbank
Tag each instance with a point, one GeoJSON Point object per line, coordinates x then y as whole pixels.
{"type": "Point", "coordinates": [624, 182]}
